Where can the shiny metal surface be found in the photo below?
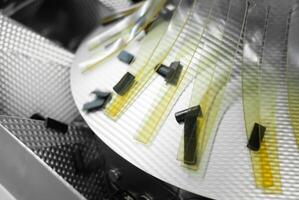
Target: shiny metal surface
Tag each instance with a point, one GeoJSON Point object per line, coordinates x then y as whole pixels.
{"type": "Point", "coordinates": [34, 74]}
{"type": "Point", "coordinates": [56, 150]}
{"type": "Point", "coordinates": [26, 177]}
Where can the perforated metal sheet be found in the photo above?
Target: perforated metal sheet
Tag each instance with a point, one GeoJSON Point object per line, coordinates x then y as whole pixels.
{"type": "Point", "coordinates": [92, 186]}
{"type": "Point", "coordinates": [34, 134]}
{"type": "Point", "coordinates": [14, 37]}
{"type": "Point", "coordinates": [34, 74]}
{"type": "Point", "coordinates": [229, 174]}
{"type": "Point", "coordinates": [57, 149]}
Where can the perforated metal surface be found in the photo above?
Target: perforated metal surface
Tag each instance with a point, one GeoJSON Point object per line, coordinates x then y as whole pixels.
{"type": "Point", "coordinates": [92, 186]}
{"type": "Point", "coordinates": [229, 174]}
{"type": "Point", "coordinates": [34, 74]}
{"type": "Point", "coordinates": [34, 134]}
{"type": "Point", "coordinates": [14, 37]}
{"type": "Point", "coordinates": [56, 149]}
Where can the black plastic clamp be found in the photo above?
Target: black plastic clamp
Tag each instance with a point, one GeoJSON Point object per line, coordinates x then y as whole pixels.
{"type": "Point", "coordinates": [126, 57]}
{"type": "Point", "coordinates": [256, 137]}
{"type": "Point", "coordinates": [98, 103]}
{"type": "Point", "coordinates": [124, 84]}
{"type": "Point", "coordinates": [172, 73]}
{"type": "Point", "coordinates": [56, 125]}
{"type": "Point", "coordinates": [194, 111]}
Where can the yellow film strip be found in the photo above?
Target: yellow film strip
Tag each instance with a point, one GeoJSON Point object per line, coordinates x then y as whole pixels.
{"type": "Point", "coordinates": [260, 82]}
{"type": "Point", "coordinates": [210, 86]}
{"type": "Point", "coordinates": [161, 110]}
{"type": "Point", "coordinates": [144, 72]}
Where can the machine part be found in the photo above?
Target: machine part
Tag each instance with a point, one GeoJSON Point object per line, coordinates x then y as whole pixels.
{"type": "Point", "coordinates": [190, 140]}
{"type": "Point", "coordinates": [34, 134]}
{"type": "Point", "coordinates": [172, 73]}
{"type": "Point", "coordinates": [143, 72]}
{"type": "Point", "coordinates": [37, 116]}
{"type": "Point", "coordinates": [124, 84]}
{"type": "Point", "coordinates": [126, 57]}
{"type": "Point", "coordinates": [57, 151]}
{"type": "Point", "coordinates": [27, 59]}
{"type": "Point", "coordinates": [102, 98]}
{"type": "Point", "coordinates": [114, 175]}
{"type": "Point", "coordinates": [19, 167]}
{"type": "Point", "coordinates": [101, 95]}
{"type": "Point", "coordinates": [56, 125]}
{"type": "Point", "coordinates": [94, 105]}
{"type": "Point", "coordinates": [256, 137]}
{"type": "Point", "coordinates": [194, 111]}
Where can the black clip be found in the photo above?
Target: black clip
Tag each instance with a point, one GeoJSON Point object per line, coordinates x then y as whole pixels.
{"type": "Point", "coordinates": [189, 117]}
{"type": "Point", "coordinates": [98, 103]}
{"type": "Point", "coordinates": [56, 125]}
{"type": "Point", "coordinates": [194, 111]}
{"type": "Point", "coordinates": [37, 116]}
{"type": "Point", "coordinates": [190, 140]}
{"type": "Point", "coordinates": [126, 57]}
{"type": "Point", "coordinates": [124, 84]}
{"type": "Point", "coordinates": [172, 73]}
{"type": "Point", "coordinates": [256, 137]}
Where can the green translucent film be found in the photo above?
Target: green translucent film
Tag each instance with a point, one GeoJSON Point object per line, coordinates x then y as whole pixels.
{"type": "Point", "coordinates": [261, 79]}
{"type": "Point", "coordinates": [292, 75]}
{"type": "Point", "coordinates": [169, 93]}
{"type": "Point", "coordinates": [209, 87]}
{"type": "Point", "coordinates": [143, 71]}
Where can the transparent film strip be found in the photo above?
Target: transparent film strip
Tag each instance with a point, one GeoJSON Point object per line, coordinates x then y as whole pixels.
{"type": "Point", "coordinates": [144, 71]}
{"type": "Point", "coordinates": [292, 73]}
{"type": "Point", "coordinates": [124, 32]}
{"type": "Point", "coordinates": [211, 85]}
{"type": "Point", "coordinates": [170, 93]}
{"type": "Point", "coordinates": [261, 80]}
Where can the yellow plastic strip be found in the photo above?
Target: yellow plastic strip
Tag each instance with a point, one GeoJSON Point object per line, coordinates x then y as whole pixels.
{"type": "Point", "coordinates": [205, 75]}
{"type": "Point", "coordinates": [156, 118]}
{"type": "Point", "coordinates": [259, 88]}
{"type": "Point", "coordinates": [251, 83]}
{"type": "Point", "coordinates": [208, 88]}
{"type": "Point", "coordinates": [145, 72]}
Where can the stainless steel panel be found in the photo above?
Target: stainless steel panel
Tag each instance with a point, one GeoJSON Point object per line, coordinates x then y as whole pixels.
{"type": "Point", "coordinates": [34, 74]}
{"type": "Point", "coordinates": [26, 177]}
{"type": "Point", "coordinates": [56, 150]}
